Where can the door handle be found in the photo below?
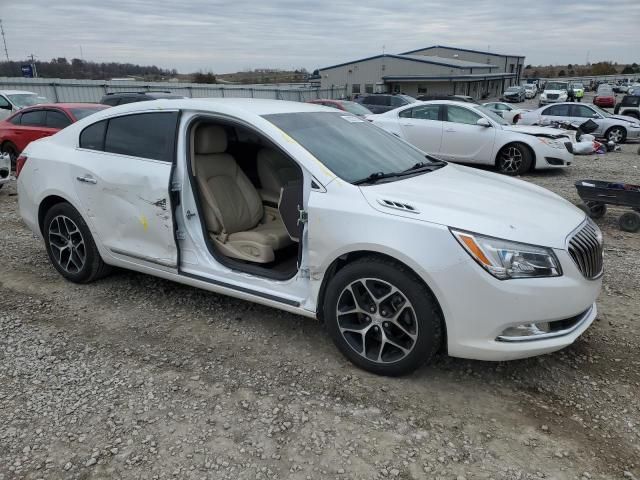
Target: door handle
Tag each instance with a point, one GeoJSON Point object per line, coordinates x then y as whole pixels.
{"type": "Point", "coordinates": [87, 179]}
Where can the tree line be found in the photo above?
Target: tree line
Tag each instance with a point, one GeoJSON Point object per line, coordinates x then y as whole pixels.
{"type": "Point", "coordinates": [77, 68]}
{"type": "Point", "coordinates": [599, 68]}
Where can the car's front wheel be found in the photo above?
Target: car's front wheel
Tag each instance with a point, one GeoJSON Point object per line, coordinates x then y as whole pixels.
{"type": "Point", "coordinates": [514, 159]}
{"type": "Point", "coordinates": [70, 245]}
{"type": "Point", "coordinates": [382, 317]}
{"type": "Point", "coordinates": [616, 134]}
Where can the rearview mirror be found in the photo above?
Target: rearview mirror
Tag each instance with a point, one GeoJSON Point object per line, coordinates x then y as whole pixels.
{"type": "Point", "coordinates": [483, 122]}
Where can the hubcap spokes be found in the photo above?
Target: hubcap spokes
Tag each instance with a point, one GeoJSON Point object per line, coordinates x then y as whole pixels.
{"type": "Point", "coordinates": [615, 136]}
{"type": "Point", "coordinates": [67, 244]}
{"type": "Point", "coordinates": [377, 320]}
{"type": "Point", "coordinates": [511, 160]}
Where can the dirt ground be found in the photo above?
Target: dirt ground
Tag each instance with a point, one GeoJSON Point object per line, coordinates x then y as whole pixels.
{"type": "Point", "coordinates": [136, 377]}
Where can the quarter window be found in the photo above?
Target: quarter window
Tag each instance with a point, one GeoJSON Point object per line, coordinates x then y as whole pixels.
{"type": "Point", "coordinates": [34, 118]}
{"type": "Point", "coordinates": [16, 119]}
{"type": "Point", "coordinates": [92, 137]}
{"type": "Point", "coordinates": [461, 115]}
{"type": "Point", "coordinates": [145, 135]}
{"type": "Point", "coordinates": [57, 119]}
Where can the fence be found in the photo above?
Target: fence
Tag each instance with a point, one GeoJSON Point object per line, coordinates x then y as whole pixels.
{"type": "Point", "coordinates": [68, 90]}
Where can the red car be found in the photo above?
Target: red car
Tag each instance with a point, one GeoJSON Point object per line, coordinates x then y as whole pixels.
{"type": "Point", "coordinates": [344, 105]}
{"type": "Point", "coordinates": [32, 123]}
{"type": "Point", "coordinates": [605, 98]}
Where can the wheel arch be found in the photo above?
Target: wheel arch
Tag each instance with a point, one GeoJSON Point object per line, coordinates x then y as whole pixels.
{"type": "Point", "coordinates": [46, 204]}
{"type": "Point", "coordinates": [346, 258]}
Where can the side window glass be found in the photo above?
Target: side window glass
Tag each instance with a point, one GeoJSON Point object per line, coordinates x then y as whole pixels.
{"type": "Point", "coordinates": [16, 119]}
{"type": "Point", "coordinates": [397, 102]}
{"type": "Point", "coordinates": [92, 137]}
{"type": "Point", "coordinates": [34, 118]}
{"type": "Point", "coordinates": [144, 135]}
{"type": "Point", "coordinates": [427, 112]}
{"type": "Point", "coordinates": [461, 115]}
{"type": "Point", "coordinates": [557, 111]}
{"type": "Point", "coordinates": [4, 103]}
{"type": "Point", "coordinates": [408, 113]}
{"type": "Point", "coordinates": [57, 119]}
{"type": "Point", "coordinates": [582, 111]}
{"type": "Point", "coordinates": [111, 101]}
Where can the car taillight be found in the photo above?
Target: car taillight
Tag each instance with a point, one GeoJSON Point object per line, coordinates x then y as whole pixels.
{"type": "Point", "coordinates": [22, 159]}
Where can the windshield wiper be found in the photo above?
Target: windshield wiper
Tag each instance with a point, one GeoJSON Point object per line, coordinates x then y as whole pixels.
{"type": "Point", "coordinates": [433, 164]}
{"type": "Point", "coordinates": [375, 176]}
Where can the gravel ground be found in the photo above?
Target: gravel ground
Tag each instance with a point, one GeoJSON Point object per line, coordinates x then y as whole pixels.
{"type": "Point", "coordinates": [136, 377]}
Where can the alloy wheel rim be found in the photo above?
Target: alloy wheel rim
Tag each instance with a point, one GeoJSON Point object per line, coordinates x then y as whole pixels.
{"type": "Point", "coordinates": [615, 135]}
{"type": "Point", "coordinates": [67, 244]}
{"type": "Point", "coordinates": [511, 159]}
{"type": "Point", "coordinates": [377, 321]}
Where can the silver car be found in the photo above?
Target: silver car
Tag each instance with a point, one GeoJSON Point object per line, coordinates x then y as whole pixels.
{"type": "Point", "coordinates": [617, 128]}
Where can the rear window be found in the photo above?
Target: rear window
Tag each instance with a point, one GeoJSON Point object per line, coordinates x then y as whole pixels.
{"type": "Point", "coordinates": [631, 101]}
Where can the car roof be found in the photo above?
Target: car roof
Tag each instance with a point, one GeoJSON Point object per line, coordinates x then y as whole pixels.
{"type": "Point", "coordinates": [97, 106]}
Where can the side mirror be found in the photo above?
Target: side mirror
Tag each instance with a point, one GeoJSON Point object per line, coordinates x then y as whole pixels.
{"type": "Point", "coordinates": [483, 122]}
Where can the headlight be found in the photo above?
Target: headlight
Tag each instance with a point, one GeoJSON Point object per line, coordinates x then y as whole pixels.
{"type": "Point", "coordinates": [552, 143]}
{"type": "Point", "coordinates": [563, 95]}
{"type": "Point", "coordinates": [635, 125]}
{"type": "Point", "coordinates": [505, 259]}
{"type": "Point", "coordinates": [543, 95]}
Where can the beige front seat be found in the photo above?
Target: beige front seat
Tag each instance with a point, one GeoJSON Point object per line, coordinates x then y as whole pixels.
{"type": "Point", "coordinates": [233, 211]}
{"type": "Point", "coordinates": [274, 171]}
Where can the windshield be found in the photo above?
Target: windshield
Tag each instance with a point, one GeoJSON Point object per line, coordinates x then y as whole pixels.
{"type": "Point", "coordinates": [22, 100]}
{"type": "Point", "coordinates": [513, 89]}
{"type": "Point", "coordinates": [350, 147]}
{"type": "Point", "coordinates": [578, 86]}
{"type": "Point", "coordinates": [492, 115]}
{"type": "Point", "coordinates": [602, 112]}
{"type": "Point", "coordinates": [556, 86]}
{"type": "Point", "coordinates": [528, 86]}
{"type": "Point", "coordinates": [80, 113]}
{"type": "Point", "coordinates": [356, 108]}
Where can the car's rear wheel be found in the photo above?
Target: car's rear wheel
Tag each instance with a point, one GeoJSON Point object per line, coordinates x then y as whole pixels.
{"type": "Point", "coordinates": [70, 245]}
{"type": "Point", "coordinates": [514, 159]}
{"type": "Point", "coordinates": [381, 317]}
{"type": "Point", "coordinates": [616, 134]}
{"type": "Point", "coordinates": [10, 149]}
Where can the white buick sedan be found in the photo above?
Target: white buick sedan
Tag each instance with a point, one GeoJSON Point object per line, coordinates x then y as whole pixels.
{"type": "Point", "coordinates": [317, 212]}
{"type": "Point", "coordinates": [467, 133]}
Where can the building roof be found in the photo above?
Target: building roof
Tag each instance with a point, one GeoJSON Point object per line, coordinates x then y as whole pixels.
{"type": "Point", "coordinates": [461, 50]}
{"type": "Point", "coordinates": [433, 78]}
{"type": "Point", "coordinates": [445, 62]}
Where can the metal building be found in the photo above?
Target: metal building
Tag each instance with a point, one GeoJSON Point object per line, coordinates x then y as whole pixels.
{"type": "Point", "coordinates": [431, 70]}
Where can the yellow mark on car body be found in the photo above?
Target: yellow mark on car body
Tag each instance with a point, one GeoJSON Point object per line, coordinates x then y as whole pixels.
{"type": "Point", "coordinates": [144, 222]}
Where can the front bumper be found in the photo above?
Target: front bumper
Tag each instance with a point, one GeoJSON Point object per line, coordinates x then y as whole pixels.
{"type": "Point", "coordinates": [478, 308]}
{"type": "Point", "coordinates": [633, 133]}
{"type": "Point", "coordinates": [549, 157]}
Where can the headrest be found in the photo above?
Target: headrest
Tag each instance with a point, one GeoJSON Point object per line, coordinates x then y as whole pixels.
{"type": "Point", "coordinates": [210, 139]}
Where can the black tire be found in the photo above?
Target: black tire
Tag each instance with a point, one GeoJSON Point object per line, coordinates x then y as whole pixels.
{"type": "Point", "coordinates": [415, 308]}
{"type": "Point", "coordinates": [9, 148]}
{"type": "Point", "coordinates": [597, 209]}
{"type": "Point", "coordinates": [616, 134]}
{"type": "Point", "coordinates": [514, 159]}
{"type": "Point", "coordinates": [81, 263]}
{"type": "Point", "coordinates": [629, 222]}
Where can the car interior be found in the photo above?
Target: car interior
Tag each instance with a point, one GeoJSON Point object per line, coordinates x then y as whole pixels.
{"type": "Point", "coordinates": [249, 194]}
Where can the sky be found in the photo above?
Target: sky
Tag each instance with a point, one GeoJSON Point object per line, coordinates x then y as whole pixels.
{"type": "Point", "coordinates": [227, 36]}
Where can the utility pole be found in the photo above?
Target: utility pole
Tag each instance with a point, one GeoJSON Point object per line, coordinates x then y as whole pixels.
{"type": "Point", "coordinates": [4, 41]}
{"type": "Point", "coordinates": [33, 65]}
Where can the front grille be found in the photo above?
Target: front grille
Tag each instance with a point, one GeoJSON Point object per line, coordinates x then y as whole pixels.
{"type": "Point", "coordinates": [585, 247]}
{"type": "Point", "coordinates": [553, 96]}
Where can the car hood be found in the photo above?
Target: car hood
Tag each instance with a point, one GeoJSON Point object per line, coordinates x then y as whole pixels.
{"type": "Point", "coordinates": [481, 202]}
{"type": "Point", "coordinates": [623, 118]}
{"type": "Point", "coordinates": [536, 131]}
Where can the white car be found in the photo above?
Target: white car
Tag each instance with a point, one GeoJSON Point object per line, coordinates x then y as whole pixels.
{"type": "Point", "coordinates": [616, 128]}
{"type": "Point", "coordinates": [467, 133]}
{"type": "Point", "coordinates": [554, 92]}
{"type": "Point", "coordinates": [505, 110]}
{"type": "Point", "coordinates": [634, 89]}
{"type": "Point", "coordinates": [5, 168]}
{"type": "Point", "coordinates": [317, 212]}
{"type": "Point", "coordinates": [530, 90]}
{"type": "Point", "coordinates": [13, 100]}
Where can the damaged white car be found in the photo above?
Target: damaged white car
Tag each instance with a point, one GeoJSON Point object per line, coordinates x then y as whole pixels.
{"type": "Point", "coordinates": [473, 134]}
{"type": "Point", "coordinates": [319, 213]}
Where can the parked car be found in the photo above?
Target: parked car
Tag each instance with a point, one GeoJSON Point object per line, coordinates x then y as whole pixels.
{"type": "Point", "coordinates": [13, 100]}
{"type": "Point", "coordinates": [32, 123]}
{"type": "Point", "coordinates": [119, 98]}
{"type": "Point", "coordinates": [634, 89]}
{"type": "Point", "coordinates": [629, 106]}
{"type": "Point", "coordinates": [344, 105]}
{"type": "Point", "coordinates": [505, 110]}
{"type": "Point", "coordinates": [617, 128]}
{"type": "Point", "coordinates": [456, 98]}
{"type": "Point", "coordinates": [5, 169]}
{"type": "Point", "coordinates": [605, 98]}
{"type": "Point", "coordinates": [515, 93]}
{"type": "Point", "coordinates": [530, 90]}
{"type": "Point", "coordinates": [381, 102]}
{"type": "Point", "coordinates": [554, 92]}
{"type": "Point", "coordinates": [370, 236]}
{"type": "Point", "coordinates": [461, 132]}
